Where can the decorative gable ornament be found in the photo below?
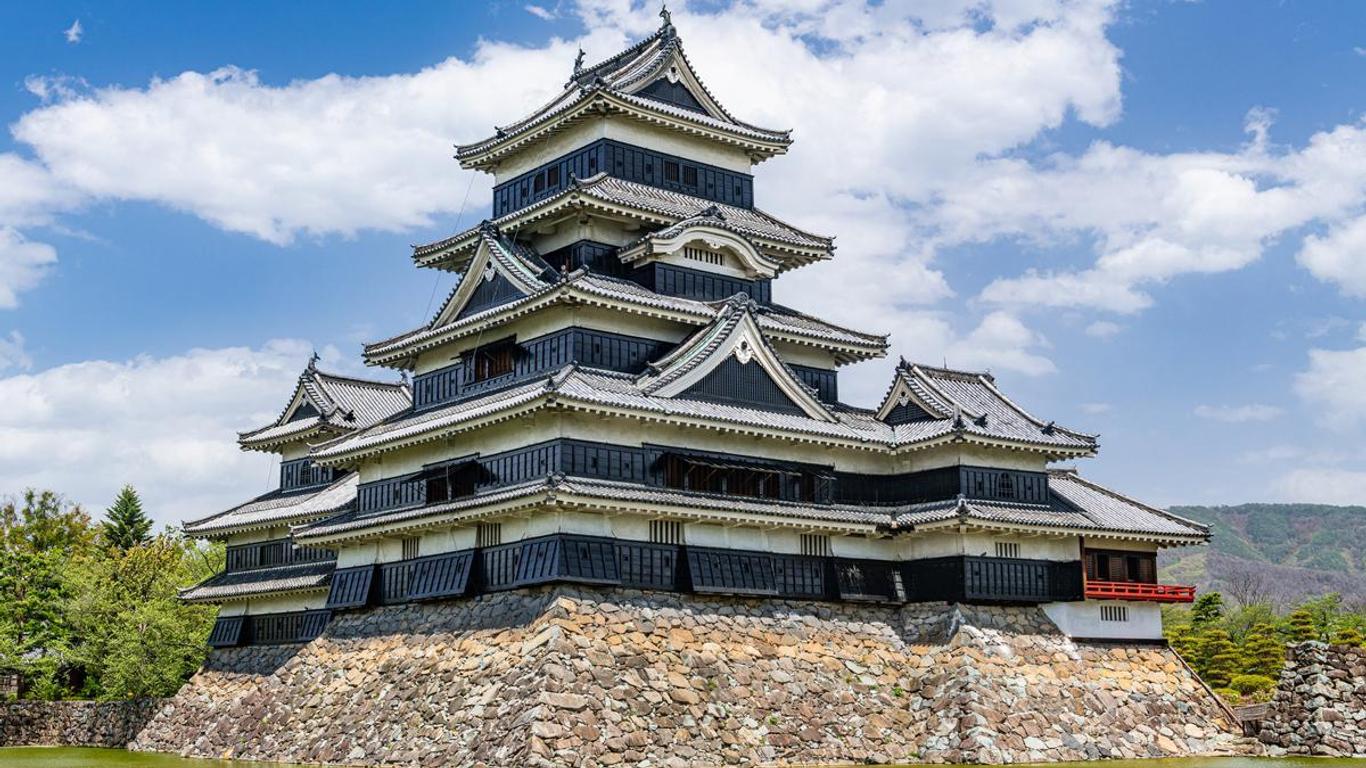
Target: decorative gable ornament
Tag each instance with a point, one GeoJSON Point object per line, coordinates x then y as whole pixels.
{"type": "Point", "coordinates": [743, 352]}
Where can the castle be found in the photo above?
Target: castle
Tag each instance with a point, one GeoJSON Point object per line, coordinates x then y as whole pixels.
{"type": "Point", "coordinates": [611, 395]}
{"type": "Point", "coordinates": [621, 514]}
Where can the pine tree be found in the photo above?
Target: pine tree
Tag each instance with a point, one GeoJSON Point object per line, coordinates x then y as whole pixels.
{"type": "Point", "coordinates": [1263, 653]}
{"type": "Point", "coordinates": [1349, 636]}
{"type": "Point", "coordinates": [1299, 626]}
{"type": "Point", "coordinates": [125, 524]}
{"type": "Point", "coordinates": [1208, 609]}
{"type": "Point", "coordinates": [1217, 657]}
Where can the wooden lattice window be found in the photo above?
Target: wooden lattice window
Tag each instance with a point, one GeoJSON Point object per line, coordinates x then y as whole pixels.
{"type": "Point", "coordinates": [816, 545]}
{"type": "Point", "coordinates": [1114, 613]}
{"type": "Point", "coordinates": [1007, 549]}
{"type": "Point", "coordinates": [666, 532]}
{"type": "Point", "coordinates": [488, 534]}
{"type": "Point", "coordinates": [412, 548]}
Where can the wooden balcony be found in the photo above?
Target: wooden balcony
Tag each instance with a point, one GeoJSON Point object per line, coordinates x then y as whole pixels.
{"type": "Point", "coordinates": [1131, 590]}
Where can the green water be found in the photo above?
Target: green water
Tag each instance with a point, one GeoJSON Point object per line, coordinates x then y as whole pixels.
{"type": "Point", "coordinates": [66, 757]}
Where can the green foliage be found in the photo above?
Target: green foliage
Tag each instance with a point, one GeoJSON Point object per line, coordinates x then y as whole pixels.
{"type": "Point", "coordinates": [1263, 653]}
{"type": "Point", "coordinates": [1208, 609]}
{"type": "Point", "coordinates": [125, 524]}
{"type": "Point", "coordinates": [1216, 657]}
{"type": "Point", "coordinates": [1253, 686]}
{"type": "Point", "coordinates": [37, 538]}
{"type": "Point", "coordinates": [96, 618]}
{"type": "Point", "coordinates": [1299, 626]}
{"type": "Point", "coordinates": [1349, 636]}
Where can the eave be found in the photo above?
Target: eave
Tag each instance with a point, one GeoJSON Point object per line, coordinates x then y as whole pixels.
{"type": "Point", "coordinates": [598, 102]}
{"type": "Point", "coordinates": [453, 253]}
{"type": "Point", "coordinates": [1162, 539]}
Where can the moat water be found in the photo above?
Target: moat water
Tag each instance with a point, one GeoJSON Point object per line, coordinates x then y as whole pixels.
{"type": "Point", "coordinates": [65, 757]}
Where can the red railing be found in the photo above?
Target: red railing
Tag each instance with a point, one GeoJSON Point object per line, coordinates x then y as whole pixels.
{"type": "Point", "coordinates": [1129, 590]}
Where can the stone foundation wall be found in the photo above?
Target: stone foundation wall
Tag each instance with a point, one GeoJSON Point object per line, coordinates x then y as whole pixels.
{"type": "Point", "coordinates": [578, 677]}
{"type": "Point", "coordinates": [74, 723]}
{"type": "Point", "coordinates": [1320, 704]}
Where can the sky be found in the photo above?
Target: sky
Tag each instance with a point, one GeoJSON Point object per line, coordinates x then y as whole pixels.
{"type": "Point", "coordinates": [1146, 219]}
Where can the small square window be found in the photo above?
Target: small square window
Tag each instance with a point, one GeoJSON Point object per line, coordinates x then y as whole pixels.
{"type": "Point", "coordinates": [412, 546]}
{"type": "Point", "coordinates": [689, 175]}
{"type": "Point", "coordinates": [816, 545]}
{"type": "Point", "coordinates": [670, 171]}
{"type": "Point", "coordinates": [1114, 613]}
{"type": "Point", "coordinates": [1007, 549]}
{"type": "Point", "coordinates": [666, 532]}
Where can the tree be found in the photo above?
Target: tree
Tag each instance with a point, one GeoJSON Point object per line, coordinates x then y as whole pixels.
{"type": "Point", "coordinates": [1299, 626]}
{"type": "Point", "coordinates": [1216, 657]}
{"type": "Point", "coordinates": [1349, 636]}
{"type": "Point", "coordinates": [38, 538]}
{"type": "Point", "coordinates": [125, 524]}
{"type": "Point", "coordinates": [136, 637]}
{"type": "Point", "coordinates": [1263, 653]}
{"type": "Point", "coordinates": [1207, 610]}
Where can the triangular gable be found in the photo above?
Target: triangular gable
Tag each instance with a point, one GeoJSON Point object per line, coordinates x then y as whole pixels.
{"type": "Point", "coordinates": [706, 231]}
{"type": "Point", "coordinates": [496, 275]}
{"type": "Point", "coordinates": [672, 92]}
{"type": "Point", "coordinates": [905, 402]}
{"type": "Point", "coordinates": [731, 361]}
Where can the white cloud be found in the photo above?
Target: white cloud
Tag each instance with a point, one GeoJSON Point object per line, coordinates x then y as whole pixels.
{"type": "Point", "coordinates": [73, 33]}
{"type": "Point", "coordinates": [12, 352]}
{"type": "Point", "coordinates": [539, 12]}
{"type": "Point", "coordinates": [1096, 408]}
{"type": "Point", "coordinates": [1238, 414]}
{"type": "Point", "coordinates": [1339, 257]}
{"type": "Point", "coordinates": [1333, 385]}
{"type": "Point", "coordinates": [167, 425]}
{"type": "Point", "coordinates": [1103, 329]}
{"type": "Point", "coordinates": [22, 265]}
{"type": "Point", "coordinates": [1323, 486]}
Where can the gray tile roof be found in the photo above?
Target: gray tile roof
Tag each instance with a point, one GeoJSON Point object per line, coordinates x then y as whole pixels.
{"type": "Point", "coordinates": [593, 388]}
{"type": "Point", "coordinates": [654, 203]}
{"type": "Point", "coordinates": [970, 402]}
{"type": "Point", "coordinates": [343, 404]}
{"type": "Point", "coordinates": [581, 284]}
{"type": "Point", "coordinates": [1074, 504]}
{"type": "Point", "coordinates": [278, 508]}
{"type": "Point", "coordinates": [261, 581]}
{"type": "Point", "coordinates": [620, 77]}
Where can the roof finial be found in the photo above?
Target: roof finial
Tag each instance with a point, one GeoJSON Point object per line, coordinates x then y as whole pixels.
{"type": "Point", "coordinates": [578, 62]}
{"type": "Point", "coordinates": [667, 24]}
{"type": "Point", "coordinates": [313, 361]}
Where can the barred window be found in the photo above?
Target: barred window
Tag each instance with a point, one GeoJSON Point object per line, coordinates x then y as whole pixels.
{"type": "Point", "coordinates": [1007, 549]}
{"type": "Point", "coordinates": [666, 532]}
{"type": "Point", "coordinates": [412, 546]}
{"type": "Point", "coordinates": [816, 545]}
{"type": "Point", "coordinates": [1114, 613]}
{"type": "Point", "coordinates": [488, 534]}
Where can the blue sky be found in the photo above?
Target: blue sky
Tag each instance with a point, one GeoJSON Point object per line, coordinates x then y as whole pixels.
{"type": "Point", "coordinates": [1145, 219]}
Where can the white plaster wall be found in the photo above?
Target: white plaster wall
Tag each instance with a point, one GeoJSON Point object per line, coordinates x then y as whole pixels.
{"type": "Point", "coordinates": [252, 537]}
{"type": "Point", "coordinates": [1100, 542]}
{"type": "Point", "coordinates": [364, 553]}
{"type": "Point", "coordinates": [863, 547]}
{"type": "Point", "coordinates": [294, 451]}
{"type": "Point", "coordinates": [1082, 619]}
{"type": "Point", "coordinates": [297, 601]}
{"type": "Point", "coordinates": [980, 543]}
{"type": "Point", "coordinates": [627, 131]}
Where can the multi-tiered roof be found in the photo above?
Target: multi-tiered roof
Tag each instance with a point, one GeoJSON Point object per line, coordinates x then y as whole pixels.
{"type": "Point", "coordinates": [620, 302]}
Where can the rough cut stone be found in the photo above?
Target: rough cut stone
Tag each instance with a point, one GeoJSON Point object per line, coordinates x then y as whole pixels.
{"type": "Point", "coordinates": [580, 677]}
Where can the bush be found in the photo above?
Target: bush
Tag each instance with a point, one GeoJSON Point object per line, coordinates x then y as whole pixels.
{"type": "Point", "coordinates": [1250, 684]}
{"type": "Point", "coordinates": [1229, 695]}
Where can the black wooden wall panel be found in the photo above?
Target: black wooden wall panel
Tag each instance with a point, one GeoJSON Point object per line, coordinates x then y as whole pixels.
{"type": "Point", "coordinates": [303, 473]}
{"type": "Point", "coordinates": [624, 161]}
{"type": "Point", "coordinates": [394, 582]}
{"type": "Point", "coordinates": [351, 587]}
{"type": "Point", "coordinates": [745, 384]}
{"type": "Point", "coordinates": [589, 559]}
{"type": "Point", "coordinates": [904, 413]}
{"type": "Point", "coordinates": [865, 580]}
{"type": "Point", "coordinates": [647, 566]}
{"type": "Point", "coordinates": [800, 576]}
{"type": "Point", "coordinates": [731, 572]}
{"type": "Point", "coordinates": [227, 632]}
{"type": "Point", "coordinates": [489, 293]}
{"type": "Point", "coordinates": [445, 575]}
{"type": "Point", "coordinates": [675, 93]}
{"type": "Point", "coordinates": [598, 257]}
{"type": "Point", "coordinates": [825, 382]}
{"type": "Point", "coordinates": [673, 280]}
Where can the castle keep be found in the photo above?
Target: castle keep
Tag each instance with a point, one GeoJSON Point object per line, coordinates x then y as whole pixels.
{"type": "Point", "coordinates": [613, 414]}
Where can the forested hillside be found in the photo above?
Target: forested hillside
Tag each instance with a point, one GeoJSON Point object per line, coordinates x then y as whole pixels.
{"type": "Point", "coordinates": [1284, 553]}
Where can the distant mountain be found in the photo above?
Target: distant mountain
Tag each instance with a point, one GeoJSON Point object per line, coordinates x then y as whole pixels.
{"type": "Point", "coordinates": [1278, 552]}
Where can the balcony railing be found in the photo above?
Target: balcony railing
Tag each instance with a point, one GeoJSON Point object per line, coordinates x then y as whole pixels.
{"type": "Point", "coordinates": [273, 553]}
{"type": "Point", "coordinates": [1129, 590]}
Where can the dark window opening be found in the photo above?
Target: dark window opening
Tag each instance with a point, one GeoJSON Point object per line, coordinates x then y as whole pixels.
{"type": "Point", "coordinates": [1134, 567]}
{"type": "Point", "coordinates": [1005, 487]}
{"type": "Point", "coordinates": [689, 175]}
{"type": "Point", "coordinates": [452, 481]}
{"type": "Point", "coordinates": [538, 186]}
{"type": "Point", "coordinates": [552, 177]}
{"type": "Point", "coordinates": [670, 171]}
{"type": "Point", "coordinates": [493, 360]}
{"type": "Point", "coordinates": [695, 474]}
